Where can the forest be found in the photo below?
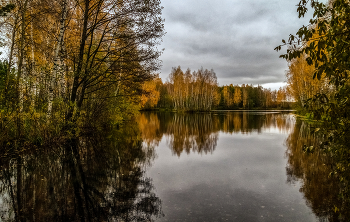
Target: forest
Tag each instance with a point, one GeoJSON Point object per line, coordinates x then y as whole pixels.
{"type": "Point", "coordinates": [72, 63]}
{"type": "Point", "coordinates": [199, 91]}
{"type": "Point", "coordinates": [71, 75]}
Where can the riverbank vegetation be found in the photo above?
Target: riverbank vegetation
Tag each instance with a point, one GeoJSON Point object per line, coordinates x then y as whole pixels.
{"type": "Point", "coordinates": [324, 193]}
{"type": "Point", "coordinates": [71, 73]}
{"type": "Point", "coordinates": [319, 60]}
{"type": "Point", "coordinates": [75, 63]}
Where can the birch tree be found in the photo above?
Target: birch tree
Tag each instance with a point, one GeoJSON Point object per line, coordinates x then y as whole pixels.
{"type": "Point", "coordinates": [66, 52]}
{"type": "Point", "coordinates": [58, 66]}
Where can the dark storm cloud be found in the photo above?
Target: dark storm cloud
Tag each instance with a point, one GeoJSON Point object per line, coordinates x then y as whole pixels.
{"type": "Point", "coordinates": [236, 38]}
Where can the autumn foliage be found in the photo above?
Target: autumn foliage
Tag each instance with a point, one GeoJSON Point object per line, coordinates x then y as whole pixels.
{"type": "Point", "coordinates": [199, 91]}
{"type": "Point", "coordinates": [75, 59]}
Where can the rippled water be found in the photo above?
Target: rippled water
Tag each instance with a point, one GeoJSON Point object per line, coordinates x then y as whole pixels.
{"type": "Point", "coordinates": [219, 166]}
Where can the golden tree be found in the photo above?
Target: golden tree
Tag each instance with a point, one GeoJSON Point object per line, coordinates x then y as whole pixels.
{"type": "Point", "coordinates": [301, 84]}
{"type": "Point", "coordinates": [237, 97]}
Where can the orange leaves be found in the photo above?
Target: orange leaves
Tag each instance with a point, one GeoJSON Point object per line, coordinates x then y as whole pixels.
{"type": "Point", "coordinates": [151, 95]}
{"type": "Point", "coordinates": [301, 84]}
{"type": "Point", "coordinates": [237, 97]}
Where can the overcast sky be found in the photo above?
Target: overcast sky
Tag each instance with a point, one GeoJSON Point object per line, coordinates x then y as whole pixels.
{"type": "Point", "coordinates": [234, 37]}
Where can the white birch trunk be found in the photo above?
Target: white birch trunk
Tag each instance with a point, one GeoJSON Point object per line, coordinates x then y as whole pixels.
{"type": "Point", "coordinates": [22, 61]}
{"type": "Point", "coordinates": [62, 74]}
{"type": "Point", "coordinates": [34, 77]}
{"type": "Point", "coordinates": [57, 66]}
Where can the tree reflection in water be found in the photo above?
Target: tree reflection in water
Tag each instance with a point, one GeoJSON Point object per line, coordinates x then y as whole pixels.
{"type": "Point", "coordinates": [199, 132]}
{"type": "Point", "coordinates": [323, 193]}
{"type": "Point", "coordinates": [326, 195]}
{"type": "Point", "coordinates": [100, 176]}
{"type": "Point", "coordinates": [94, 178]}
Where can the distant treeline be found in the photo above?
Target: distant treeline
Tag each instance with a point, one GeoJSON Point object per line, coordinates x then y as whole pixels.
{"type": "Point", "coordinates": [199, 91]}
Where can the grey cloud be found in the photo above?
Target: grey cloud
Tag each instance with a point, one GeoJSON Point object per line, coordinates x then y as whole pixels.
{"type": "Point", "coordinates": [235, 38]}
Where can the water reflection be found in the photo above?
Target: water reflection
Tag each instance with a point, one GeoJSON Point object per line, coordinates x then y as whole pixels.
{"type": "Point", "coordinates": [323, 193]}
{"type": "Point", "coordinates": [199, 132]}
{"type": "Point", "coordinates": [99, 177]}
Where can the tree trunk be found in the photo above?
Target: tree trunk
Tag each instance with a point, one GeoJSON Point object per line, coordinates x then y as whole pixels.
{"type": "Point", "coordinates": [8, 71]}
{"type": "Point", "coordinates": [34, 80]}
{"type": "Point", "coordinates": [77, 72]}
{"type": "Point", "coordinates": [57, 65]}
{"type": "Point", "coordinates": [21, 60]}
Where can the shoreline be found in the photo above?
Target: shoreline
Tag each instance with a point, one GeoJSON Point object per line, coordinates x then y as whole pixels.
{"type": "Point", "coordinates": [228, 110]}
{"type": "Point", "coordinates": [255, 110]}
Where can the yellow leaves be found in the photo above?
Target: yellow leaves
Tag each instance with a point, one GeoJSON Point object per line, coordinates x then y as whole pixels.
{"type": "Point", "coordinates": [192, 91]}
{"type": "Point", "coordinates": [301, 84]}
{"type": "Point", "coordinates": [282, 95]}
{"type": "Point", "coordinates": [151, 95]}
{"type": "Point", "coordinates": [227, 96]}
{"type": "Point", "coordinates": [237, 97]}
{"type": "Point", "coordinates": [217, 98]}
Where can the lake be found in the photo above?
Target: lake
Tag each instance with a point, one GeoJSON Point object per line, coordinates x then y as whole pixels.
{"type": "Point", "coordinates": [218, 166]}
{"type": "Point", "coordinates": [224, 166]}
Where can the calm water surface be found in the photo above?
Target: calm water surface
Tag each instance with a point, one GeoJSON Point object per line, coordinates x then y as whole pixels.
{"type": "Point", "coordinates": [228, 166]}
{"type": "Point", "coordinates": [220, 166]}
